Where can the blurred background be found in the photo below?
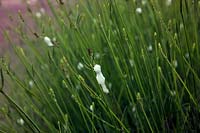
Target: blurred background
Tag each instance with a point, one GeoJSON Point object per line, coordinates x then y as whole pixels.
{"type": "Point", "coordinates": [10, 8]}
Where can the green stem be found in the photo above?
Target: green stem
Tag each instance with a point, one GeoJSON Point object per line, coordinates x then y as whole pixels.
{"type": "Point", "coordinates": [20, 110]}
